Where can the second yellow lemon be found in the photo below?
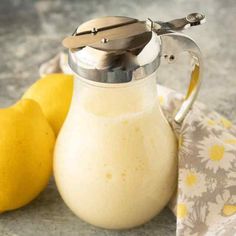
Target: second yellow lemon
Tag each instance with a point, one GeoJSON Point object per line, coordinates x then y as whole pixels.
{"type": "Point", "coordinates": [53, 92]}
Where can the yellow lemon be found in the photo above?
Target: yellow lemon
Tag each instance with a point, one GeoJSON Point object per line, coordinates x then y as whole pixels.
{"type": "Point", "coordinates": [53, 92]}
{"type": "Point", "coordinates": [26, 150]}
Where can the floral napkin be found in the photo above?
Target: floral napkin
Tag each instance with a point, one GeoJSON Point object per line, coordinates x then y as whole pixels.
{"type": "Point", "coordinates": [205, 202]}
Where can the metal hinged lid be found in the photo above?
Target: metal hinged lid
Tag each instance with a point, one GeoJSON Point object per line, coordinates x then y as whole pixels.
{"type": "Point", "coordinates": [118, 49]}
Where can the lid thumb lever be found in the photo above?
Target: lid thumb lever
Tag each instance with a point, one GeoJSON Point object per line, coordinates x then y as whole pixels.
{"type": "Point", "coordinates": [192, 19]}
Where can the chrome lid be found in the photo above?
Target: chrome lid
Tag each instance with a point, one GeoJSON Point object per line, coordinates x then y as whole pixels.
{"type": "Point", "coordinates": [117, 49]}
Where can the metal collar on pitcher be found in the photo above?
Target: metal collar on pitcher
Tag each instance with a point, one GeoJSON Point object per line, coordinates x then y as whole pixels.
{"type": "Point", "coordinates": [113, 75]}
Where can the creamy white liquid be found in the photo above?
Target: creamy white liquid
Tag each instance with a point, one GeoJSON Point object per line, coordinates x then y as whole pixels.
{"type": "Point", "coordinates": [115, 159]}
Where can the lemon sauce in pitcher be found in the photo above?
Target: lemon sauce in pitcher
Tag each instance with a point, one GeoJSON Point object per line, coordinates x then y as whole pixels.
{"type": "Point", "coordinates": [116, 164]}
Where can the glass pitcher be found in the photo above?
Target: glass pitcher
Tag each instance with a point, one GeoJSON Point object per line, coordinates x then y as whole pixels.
{"type": "Point", "coordinates": [115, 160]}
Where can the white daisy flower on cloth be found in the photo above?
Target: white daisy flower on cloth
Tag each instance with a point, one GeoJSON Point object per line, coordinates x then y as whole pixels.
{"type": "Point", "coordinates": [192, 183]}
{"type": "Point", "coordinates": [221, 212]}
{"type": "Point", "coordinates": [184, 207]}
{"type": "Point", "coordinates": [214, 121]}
{"type": "Point", "coordinates": [210, 122]}
{"type": "Point", "coordinates": [215, 153]}
{"type": "Point", "coordinates": [228, 139]}
{"type": "Point", "coordinates": [224, 206]}
{"type": "Point", "coordinates": [185, 141]}
{"type": "Point", "coordinates": [195, 223]}
{"type": "Point", "coordinates": [225, 123]}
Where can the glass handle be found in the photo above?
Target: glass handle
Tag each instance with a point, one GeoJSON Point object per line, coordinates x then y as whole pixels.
{"type": "Point", "coordinates": [173, 44]}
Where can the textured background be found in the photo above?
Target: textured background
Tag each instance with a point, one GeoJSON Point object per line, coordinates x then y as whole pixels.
{"type": "Point", "coordinates": [31, 32]}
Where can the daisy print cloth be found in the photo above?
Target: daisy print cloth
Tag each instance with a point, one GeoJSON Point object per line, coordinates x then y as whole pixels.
{"type": "Point", "coordinates": [205, 202]}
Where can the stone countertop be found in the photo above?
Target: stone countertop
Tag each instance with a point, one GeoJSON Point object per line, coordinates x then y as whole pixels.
{"type": "Point", "coordinates": [31, 32]}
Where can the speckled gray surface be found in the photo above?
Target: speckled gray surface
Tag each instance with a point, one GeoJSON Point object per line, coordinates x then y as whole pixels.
{"type": "Point", "coordinates": [30, 33]}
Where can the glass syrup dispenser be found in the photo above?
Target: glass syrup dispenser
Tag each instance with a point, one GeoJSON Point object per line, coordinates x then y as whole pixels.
{"type": "Point", "coordinates": [115, 160]}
